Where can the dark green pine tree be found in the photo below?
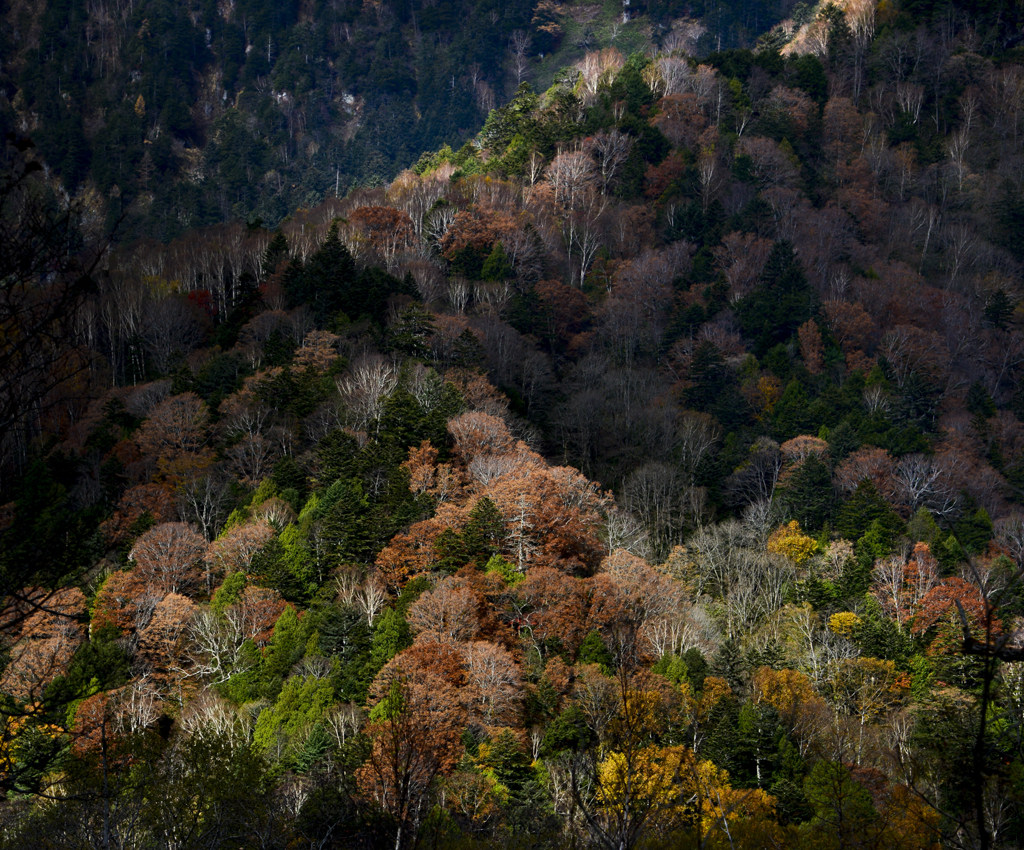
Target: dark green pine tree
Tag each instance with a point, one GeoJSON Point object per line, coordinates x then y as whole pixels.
{"type": "Point", "coordinates": [369, 293]}
{"type": "Point", "coordinates": [782, 302]}
{"type": "Point", "coordinates": [758, 728]}
{"type": "Point", "coordinates": [274, 569]}
{"type": "Point", "coordinates": [497, 266]}
{"type": "Point", "coordinates": [342, 529]}
{"type": "Point", "coordinates": [312, 750]}
{"type": "Point", "coordinates": [767, 654]}
{"type": "Point", "coordinates": [403, 419]}
{"type": "Point", "coordinates": [510, 764]}
{"type": "Point", "coordinates": [593, 650]}
{"type": "Point", "coordinates": [450, 551]}
{"type": "Point", "coordinates": [788, 783]}
{"type": "Point", "coordinates": [276, 253]}
{"type": "Point", "coordinates": [708, 376]}
{"type": "Point", "coordinates": [974, 530]}
{"type": "Point", "coordinates": [568, 731]}
{"type": "Point", "coordinates": [484, 532]}
{"type": "Point", "coordinates": [1008, 210]}
{"type": "Point", "coordinates": [724, 742]}
{"type": "Point", "coordinates": [339, 457]}
{"type": "Point", "coordinates": [865, 507]}
{"type": "Point", "coordinates": [411, 332]}
{"type": "Point", "coordinates": [791, 415]}
{"type": "Point", "coordinates": [979, 402]}
{"type": "Point", "coordinates": [469, 353]}
{"type": "Point", "coordinates": [326, 280]}
{"type": "Point", "coordinates": [731, 664]}
{"type": "Point", "coordinates": [696, 667]}
{"type": "Point", "coordinates": [808, 496]}
{"type": "Point", "coordinates": [100, 662]}
{"type": "Point", "coordinates": [345, 635]}
{"type": "Point", "coordinates": [878, 636]}
{"type": "Point", "coordinates": [999, 309]}
{"type": "Point", "coordinates": [294, 283]}
{"type": "Point", "coordinates": [842, 441]}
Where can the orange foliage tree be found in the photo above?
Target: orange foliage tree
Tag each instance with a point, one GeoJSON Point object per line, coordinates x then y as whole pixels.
{"type": "Point", "coordinates": [44, 643]}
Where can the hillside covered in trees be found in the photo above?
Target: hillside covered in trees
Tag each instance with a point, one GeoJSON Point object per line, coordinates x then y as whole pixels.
{"type": "Point", "coordinates": [165, 116]}
{"type": "Point", "coordinates": [646, 471]}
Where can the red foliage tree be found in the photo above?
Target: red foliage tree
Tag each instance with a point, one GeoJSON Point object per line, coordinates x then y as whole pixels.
{"type": "Point", "coordinates": [234, 550]}
{"type": "Point", "coordinates": [125, 601]}
{"type": "Point", "coordinates": [495, 682]}
{"type": "Point", "coordinates": [256, 613]}
{"type": "Point", "coordinates": [872, 463]}
{"type": "Point", "coordinates": [162, 641]}
{"type": "Point", "coordinates": [386, 229]}
{"type": "Point", "coordinates": [555, 606]}
{"type": "Point", "coordinates": [941, 608]}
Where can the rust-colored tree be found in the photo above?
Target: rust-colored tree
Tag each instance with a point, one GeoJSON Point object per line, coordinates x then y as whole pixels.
{"type": "Point", "coordinates": [169, 558]}
{"type": "Point", "coordinates": [162, 642]}
{"type": "Point", "coordinates": [235, 549]}
{"type": "Point", "coordinates": [386, 230]}
{"type": "Point", "coordinates": [43, 644]}
{"type": "Point", "coordinates": [175, 435]}
{"type": "Point", "coordinates": [414, 728]}
{"type": "Point", "coordinates": [446, 614]}
{"type": "Point", "coordinates": [153, 499]}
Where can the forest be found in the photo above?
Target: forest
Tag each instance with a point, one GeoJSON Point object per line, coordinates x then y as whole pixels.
{"type": "Point", "coordinates": [640, 466]}
{"type": "Point", "coordinates": [165, 116]}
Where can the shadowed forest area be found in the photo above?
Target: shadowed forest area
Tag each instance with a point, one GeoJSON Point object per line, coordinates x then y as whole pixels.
{"type": "Point", "coordinates": [633, 460]}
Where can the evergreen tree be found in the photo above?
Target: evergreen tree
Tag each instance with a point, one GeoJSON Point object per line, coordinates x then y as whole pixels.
{"type": "Point", "coordinates": [731, 664]}
{"type": "Point", "coordinates": [808, 495]}
{"type": "Point", "coordinates": [277, 251]}
{"type": "Point", "coordinates": [497, 266]}
{"type": "Point", "coordinates": [864, 507]}
{"type": "Point", "coordinates": [287, 646]}
{"type": "Point", "coordinates": [758, 727]}
{"type": "Point", "coordinates": [326, 281]}
{"type": "Point", "coordinates": [484, 532]}
{"type": "Point", "coordinates": [696, 667]}
{"type": "Point", "coordinates": [391, 635]}
{"type": "Point", "coordinates": [594, 650]}
{"type": "Point", "coordinates": [782, 301]}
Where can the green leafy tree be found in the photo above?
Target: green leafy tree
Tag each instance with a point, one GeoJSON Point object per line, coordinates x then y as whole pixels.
{"type": "Point", "coordinates": [594, 650]}
{"type": "Point", "coordinates": [844, 815]}
{"type": "Point", "coordinates": [303, 701]}
{"type": "Point", "coordinates": [286, 647]}
{"type": "Point", "coordinates": [391, 634]}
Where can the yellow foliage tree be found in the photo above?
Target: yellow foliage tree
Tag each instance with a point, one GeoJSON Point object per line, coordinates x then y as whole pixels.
{"type": "Point", "coordinates": [843, 623]}
{"type": "Point", "coordinates": [790, 541]}
{"type": "Point", "coordinates": [677, 791]}
{"type": "Point", "coordinates": [698, 709]}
